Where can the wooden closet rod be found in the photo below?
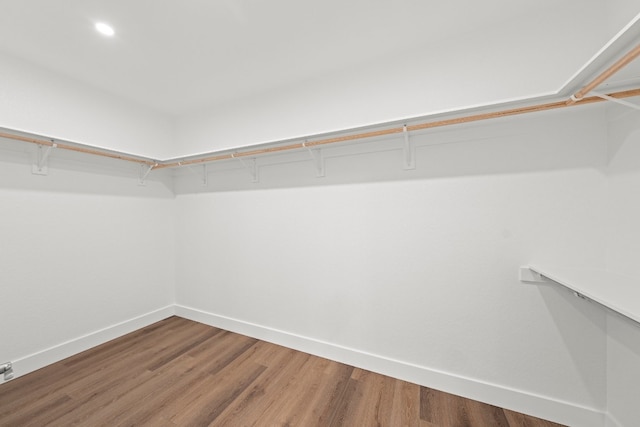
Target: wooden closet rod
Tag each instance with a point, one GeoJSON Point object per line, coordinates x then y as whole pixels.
{"type": "Point", "coordinates": [577, 99]}
{"type": "Point", "coordinates": [398, 130]}
{"type": "Point", "coordinates": [617, 66]}
{"type": "Point", "coordinates": [61, 146]}
{"type": "Point", "coordinates": [310, 144]}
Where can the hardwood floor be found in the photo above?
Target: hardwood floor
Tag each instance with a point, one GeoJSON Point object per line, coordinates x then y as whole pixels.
{"type": "Point", "coordinates": [182, 373]}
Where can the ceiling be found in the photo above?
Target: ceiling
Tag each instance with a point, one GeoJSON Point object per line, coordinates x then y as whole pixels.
{"type": "Point", "coordinates": [180, 56]}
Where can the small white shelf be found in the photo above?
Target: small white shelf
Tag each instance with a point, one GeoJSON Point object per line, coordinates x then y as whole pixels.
{"type": "Point", "coordinates": [614, 291]}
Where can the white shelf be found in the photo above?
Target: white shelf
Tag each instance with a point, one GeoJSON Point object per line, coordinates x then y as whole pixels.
{"type": "Point", "coordinates": [614, 291]}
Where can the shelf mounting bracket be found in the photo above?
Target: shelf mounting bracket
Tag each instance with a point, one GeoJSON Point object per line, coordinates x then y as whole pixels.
{"type": "Point", "coordinates": [616, 100]}
{"type": "Point", "coordinates": [41, 167]}
{"type": "Point", "coordinates": [318, 159]}
{"type": "Point", "coordinates": [205, 173]}
{"type": "Point", "coordinates": [252, 167]}
{"type": "Point", "coordinates": [144, 172]}
{"type": "Point", "coordinates": [528, 275]}
{"type": "Point", "coordinates": [409, 151]}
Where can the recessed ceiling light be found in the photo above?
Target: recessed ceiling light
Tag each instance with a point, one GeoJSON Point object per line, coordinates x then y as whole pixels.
{"type": "Point", "coordinates": [105, 29]}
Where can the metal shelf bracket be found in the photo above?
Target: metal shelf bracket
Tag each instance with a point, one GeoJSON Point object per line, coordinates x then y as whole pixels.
{"type": "Point", "coordinates": [252, 167]}
{"type": "Point", "coordinates": [318, 159]}
{"type": "Point", "coordinates": [409, 151]}
{"type": "Point", "coordinates": [144, 172]}
{"type": "Point", "coordinates": [205, 173]}
{"type": "Point", "coordinates": [616, 100]}
{"type": "Point", "coordinates": [527, 275]}
{"type": "Point", "coordinates": [41, 167]}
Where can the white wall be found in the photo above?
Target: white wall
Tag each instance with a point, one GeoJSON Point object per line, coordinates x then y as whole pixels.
{"type": "Point", "coordinates": [421, 267]}
{"type": "Point", "coordinates": [623, 208]}
{"type": "Point", "coordinates": [85, 255]}
{"type": "Point", "coordinates": [476, 68]}
{"type": "Point", "coordinates": [412, 273]}
{"type": "Point", "coordinates": [530, 57]}
{"type": "Point", "coordinates": [620, 13]}
{"type": "Point", "coordinates": [43, 103]}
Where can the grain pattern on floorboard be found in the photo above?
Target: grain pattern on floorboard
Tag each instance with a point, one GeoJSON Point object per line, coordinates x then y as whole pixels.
{"type": "Point", "coordinates": [181, 373]}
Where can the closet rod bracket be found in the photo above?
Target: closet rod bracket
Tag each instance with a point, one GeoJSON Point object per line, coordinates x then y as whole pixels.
{"type": "Point", "coordinates": [145, 170]}
{"type": "Point", "coordinates": [409, 151]}
{"type": "Point", "coordinates": [252, 167]}
{"type": "Point", "coordinates": [528, 275]}
{"type": "Point", "coordinates": [318, 159]}
{"type": "Point", "coordinates": [41, 166]}
{"type": "Point", "coordinates": [616, 100]}
{"type": "Point", "coordinates": [205, 173]}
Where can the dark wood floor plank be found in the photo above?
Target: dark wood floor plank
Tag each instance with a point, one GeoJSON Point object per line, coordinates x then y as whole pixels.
{"type": "Point", "coordinates": [39, 413]}
{"type": "Point", "coordinates": [441, 409]}
{"type": "Point", "coordinates": [481, 414]}
{"type": "Point", "coordinates": [181, 373]}
{"type": "Point", "coordinates": [266, 394]}
{"type": "Point", "coordinates": [182, 348]}
{"type": "Point", "coordinates": [117, 404]}
{"type": "Point", "coordinates": [137, 338]}
{"type": "Point", "coordinates": [406, 405]}
{"type": "Point", "coordinates": [51, 379]}
{"type": "Point", "coordinates": [206, 381]}
{"type": "Point", "coordinates": [305, 395]}
{"type": "Point", "coordinates": [241, 349]}
{"type": "Point", "coordinates": [344, 403]}
{"type": "Point", "coordinates": [517, 419]}
{"type": "Point", "coordinates": [223, 394]}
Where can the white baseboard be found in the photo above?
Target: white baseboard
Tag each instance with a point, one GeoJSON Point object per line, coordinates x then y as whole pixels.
{"type": "Point", "coordinates": [521, 401]}
{"type": "Point", "coordinates": [61, 351]}
{"type": "Point", "coordinates": [517, 400]}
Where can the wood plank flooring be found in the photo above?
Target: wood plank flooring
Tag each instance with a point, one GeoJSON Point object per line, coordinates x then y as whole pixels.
{"type": "Point", "coordinates": [182, 373]}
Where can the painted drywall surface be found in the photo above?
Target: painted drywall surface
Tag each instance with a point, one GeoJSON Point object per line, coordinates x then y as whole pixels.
{"type": "Point", "coordinates": [41, 102]}
{"type": "Point", "coordinates": [624, 182]}
{"type": "Point", "coordinates": [621, 12]}
{"type": "Point", "coordinates": [511, 61]}
{"type": "Point", "coordinates": [425, 270]}
{"type": "Point", "coordinates": [81, 251]}
{"type": "Point", "coordinates": [623, 370]}
{"type": "Point", "coordinates": [623, 252]}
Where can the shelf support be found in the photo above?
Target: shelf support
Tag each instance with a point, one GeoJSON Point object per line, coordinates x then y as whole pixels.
{"type": "Point", "coordinates": [41, 166]}
{"type": "Point", "coordinates": [205, 173]}
{"type": "Point", "coordinates": [318, 159]}
{"type": "Point", "coordinates": [527, 275]}
{"type": "Point", "coordinates": [144, 172]}
{"type": "Point", "coordinates": [251, 167]}
{"type": "Point", "coordinates": [616, 100]}
{"type": "Point", "coordinates": [409, 151]}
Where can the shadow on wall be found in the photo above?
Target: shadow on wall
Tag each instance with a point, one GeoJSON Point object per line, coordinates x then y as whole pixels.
{"type": "Point", "coordinates": [581, 325]}
{"type": "Point", "coordinates": [622, 129]}
{"type": "Point", "coordinates": [623, 375]}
